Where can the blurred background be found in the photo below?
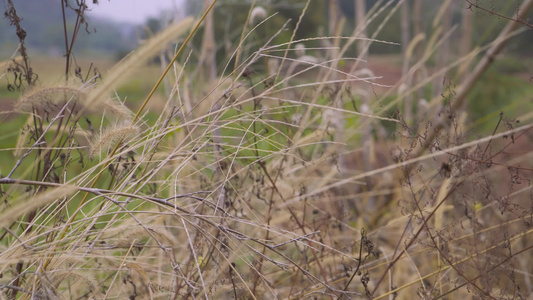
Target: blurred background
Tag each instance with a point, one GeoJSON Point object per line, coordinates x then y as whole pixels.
{"type": "Point", "coordinates": [116, 26]}
{"type": "Point", "coordinates": [113, 28]}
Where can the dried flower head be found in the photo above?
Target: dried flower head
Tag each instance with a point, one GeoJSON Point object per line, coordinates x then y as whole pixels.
{"type": "Point", "coordinates": [258, 14]}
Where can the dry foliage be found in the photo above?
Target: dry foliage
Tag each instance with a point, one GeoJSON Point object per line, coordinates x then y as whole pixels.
{"type": "Point", "coordinates": [264, 186]}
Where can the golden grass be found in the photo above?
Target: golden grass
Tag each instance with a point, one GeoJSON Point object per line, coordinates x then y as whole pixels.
{"type": "Point", "coordinates": [248, 190]}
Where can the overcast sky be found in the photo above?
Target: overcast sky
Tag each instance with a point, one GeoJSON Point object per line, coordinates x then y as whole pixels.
{"type": "Point", "coordinates": [132, 11]}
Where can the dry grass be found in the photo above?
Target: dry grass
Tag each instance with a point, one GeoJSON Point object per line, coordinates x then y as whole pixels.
{"type": "Point", "coordinates": [253, 187]}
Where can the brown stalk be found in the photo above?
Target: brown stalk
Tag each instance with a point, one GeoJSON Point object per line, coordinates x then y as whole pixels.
{"type": "Point", "coordinates": [480, 68]}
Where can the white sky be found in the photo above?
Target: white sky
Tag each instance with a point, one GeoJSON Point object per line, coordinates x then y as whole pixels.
{"type": "Point", "coordinates": [131, 11]}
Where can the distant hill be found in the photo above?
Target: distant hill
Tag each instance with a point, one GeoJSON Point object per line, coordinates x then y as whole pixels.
{"type": "Point", "coordinates": [43, 23]}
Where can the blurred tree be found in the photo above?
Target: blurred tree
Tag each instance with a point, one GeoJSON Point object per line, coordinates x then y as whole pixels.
{"type": "Point", "coordinates": [406, 40]}
{"type": "Point", "coordinates": [193, 7]}
{"type": "Point", "coordinates": [230, 16]}
{"type": "Point", "coordinates": [152, 26]}
{"type": "Point", "coordinates": [487, 26]}
{"type": "Point", "coordinates": [334, 16]}
{"type": "Point", "coordinates": [360, 15]}
{"type": "Point", "coordinates": [207, 55]}
{"type": "Point", "coordinates": [45, 31]}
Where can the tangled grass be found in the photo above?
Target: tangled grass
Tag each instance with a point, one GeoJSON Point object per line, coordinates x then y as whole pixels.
{"type": "Point", "coordinates": [286, 185]}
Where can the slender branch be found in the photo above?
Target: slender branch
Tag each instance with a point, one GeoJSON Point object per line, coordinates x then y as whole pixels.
{"type": "Point", "coordinates": [11, 14]}
{"type": "Point", "coordinates": [492, 12]}
{"type": "Point", "coordinates": [65, 32]}
{"type": "Point", "coordinates": [480, 69]}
